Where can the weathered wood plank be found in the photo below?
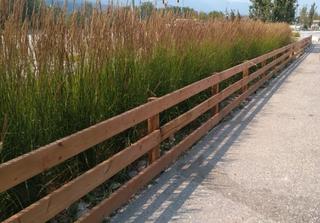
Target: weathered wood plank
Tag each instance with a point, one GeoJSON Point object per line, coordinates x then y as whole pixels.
{"type": "Point", "coordinates": [215, 90]}
{"type": "Point", "coordinates": [245, 74]}
{"type": "Point", "coordinates": [55, 202]}
{"type": "Point", "coordinates": [26, 166]}
{"type": "Point", "coordinates": [154, 124]}
{"type": "Point", "coordinates": [269, 55]}
{"type": "Point", "coordinates": [120, 197]}
{"type": "Point", "coordinates": [175, 125]}
{"type": "Point", "coordinates": [267, 67]}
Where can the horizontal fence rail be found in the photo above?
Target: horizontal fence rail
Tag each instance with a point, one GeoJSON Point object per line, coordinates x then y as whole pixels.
{"type": "Point", "coordinates": [31, 164]}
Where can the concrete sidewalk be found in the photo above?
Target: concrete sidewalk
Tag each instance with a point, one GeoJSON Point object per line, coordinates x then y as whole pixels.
{"type": "Point", "coordinates": [261, 165]}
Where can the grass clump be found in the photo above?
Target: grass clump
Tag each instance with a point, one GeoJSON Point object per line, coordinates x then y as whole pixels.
{"type": "Point", "coordinates": [296, 34]}
{"type": "Point", "coordinates": [61, 72]}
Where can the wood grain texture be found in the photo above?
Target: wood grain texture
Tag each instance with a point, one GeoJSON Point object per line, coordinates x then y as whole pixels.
{"type": "Point", "coordinates": [154, 124]}
{"type": "Point", "coordinates": [47, 207]}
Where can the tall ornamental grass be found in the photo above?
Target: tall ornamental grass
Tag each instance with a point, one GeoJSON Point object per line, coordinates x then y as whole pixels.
{"type": "Point", "coordinates": [61, 72]}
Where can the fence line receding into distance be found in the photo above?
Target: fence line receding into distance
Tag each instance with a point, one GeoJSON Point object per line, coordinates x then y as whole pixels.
{"type": "Point", "coordinates": [26, 166]}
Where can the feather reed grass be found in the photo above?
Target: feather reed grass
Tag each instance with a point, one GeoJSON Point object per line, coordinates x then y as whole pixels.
{"type": "Point", "coordinates": [61, 72]}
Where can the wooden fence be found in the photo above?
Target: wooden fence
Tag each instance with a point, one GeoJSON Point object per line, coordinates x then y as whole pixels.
{"type": "Point", "coordinates": [24, 167]}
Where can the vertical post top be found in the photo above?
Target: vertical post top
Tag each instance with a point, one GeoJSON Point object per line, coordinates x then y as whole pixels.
{"type": "Point", "coordinates": [152, 98]}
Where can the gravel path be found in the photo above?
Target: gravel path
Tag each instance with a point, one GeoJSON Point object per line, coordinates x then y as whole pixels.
{"type": "Point", "coordinates": [261, 165]}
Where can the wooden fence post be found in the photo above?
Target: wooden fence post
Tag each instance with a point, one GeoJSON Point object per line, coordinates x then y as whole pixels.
{"type": "Point", "coordinates": [275, 57]}
{"type": "Point", "coordinates": [153, 124]}
{"type": "Point", "coordinates": [263, 64]}
{"type": "Point", "coordinates": [245, 75]}
{"type": "Point", "coordinates": [214, 91]}
{"type": "Point", "coordinates": [293, 54]}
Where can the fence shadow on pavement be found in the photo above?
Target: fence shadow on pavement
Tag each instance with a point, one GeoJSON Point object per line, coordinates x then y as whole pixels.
{"type": "Point", "coordinates": [163, 199]}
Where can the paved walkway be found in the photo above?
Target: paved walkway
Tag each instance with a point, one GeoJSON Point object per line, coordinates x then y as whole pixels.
{"type": "Point", "coordinates": [261, 165]}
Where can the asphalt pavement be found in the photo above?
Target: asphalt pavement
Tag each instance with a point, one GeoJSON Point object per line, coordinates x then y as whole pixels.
{"type": "Point", "coordinates": [260, 165]}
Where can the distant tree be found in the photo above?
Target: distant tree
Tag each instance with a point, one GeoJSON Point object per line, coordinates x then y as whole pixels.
{"type": "Point", "coordinates": [238, 15]}
{"type": "Point", "coordinates": [32, 6]}
{"type": "Point", "coordinates": [316, 16]}
{"type": "Point", "coordinates": [303, 17]}
{"type": "Point", "coordinates": [88, 9]}
{"type": "Point", "coordinates": [165, 2]}
{"type": "Point", "coordinates": [284, 10]}
{"type": "Point", "coordinates": [203, 16]}
{"type": "Point", "coordinates": [261, 10]}
{"type": "Point", "coordinates": [29, 6]}
{"type": "Point", "coordinates": [226, 14]}
{"type": "Point", "coordinates": [181, 11]}
{"type": "Point", "coordinates": [215, 15]}
{"type": "Point", "coordinates": [311, 14]}
{"type": "Point", "coordinates": [232, 15]}
{"type": "Point", "coordinates": [146, 9]}
{"type": "Point", "coordinates": [133, 4]}
{"type": "Point", "coordinates": [275, 11]}
{"type": "Point", "coordinates": [188, 11]}
{"type": "Point", "coordinates": [25, 10]}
